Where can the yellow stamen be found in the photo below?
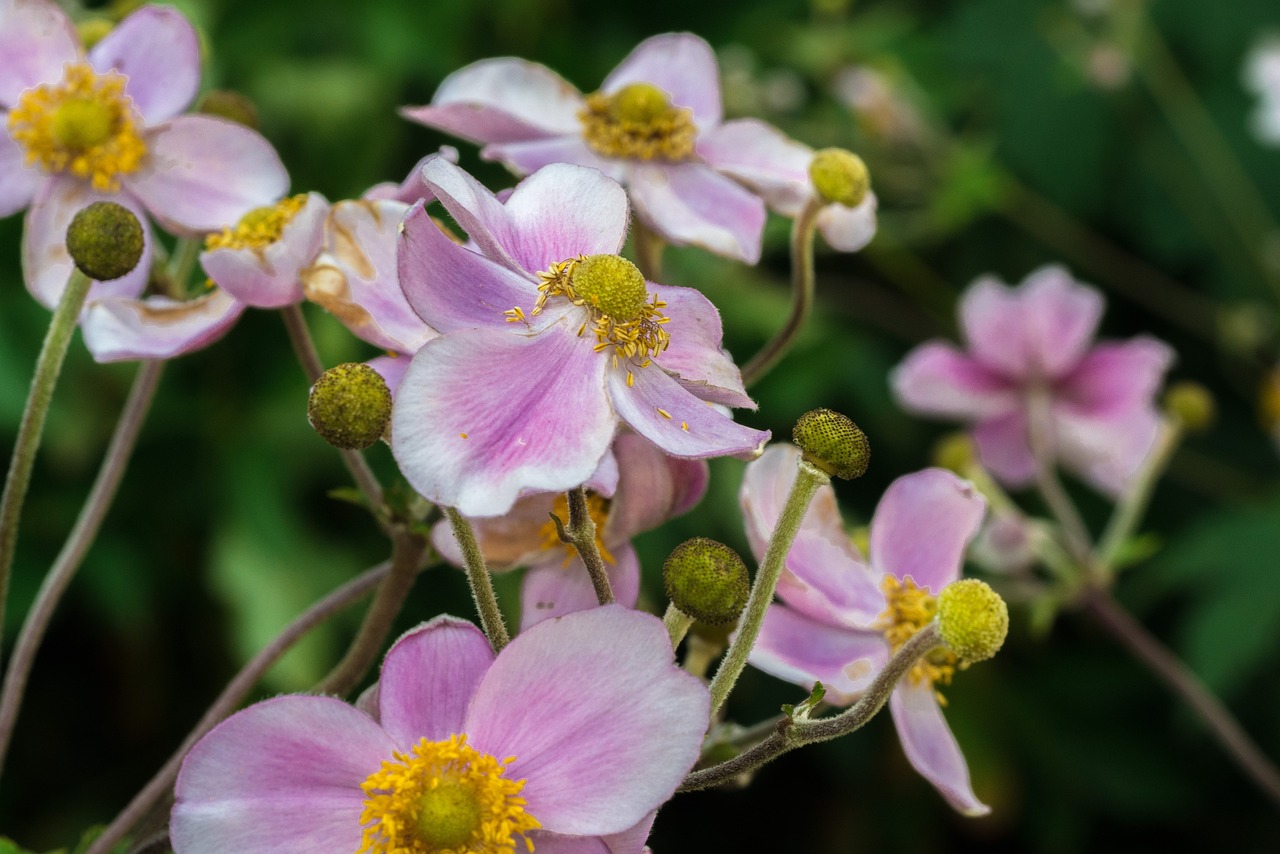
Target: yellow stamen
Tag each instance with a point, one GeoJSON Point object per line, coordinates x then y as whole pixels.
{"type": "Point", "coordinates": [909, 609]}
{"type": "Point", "coordinates": [259, 228]}
{"type": "Point", "coordinates": [638, 121]}
{"type": "Point", "coordinates": [597, 509]}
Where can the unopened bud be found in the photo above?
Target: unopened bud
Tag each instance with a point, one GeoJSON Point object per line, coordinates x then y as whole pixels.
{"type": "Point", "coordinates": [229, 105]}
{"type": "Point", "coordinates": [349, 406]}
{"type": "Point", "coordinates": [972, 619]}
{"type": "Point", "coordinates": [839, 177]}
{"type": "Point", "coordinates": [105, 240]}
{"type": "Point", "coordinates": [833, 443]}
{"type": "Point", "coordinates": [1192, 404]}
{"type": "Point", "coordinates": [706, 580]}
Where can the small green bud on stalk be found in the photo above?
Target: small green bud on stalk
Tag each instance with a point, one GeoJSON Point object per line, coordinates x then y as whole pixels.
{"type": "Point", "coordinates": [972, 619]}
{"type": "Point", "coordinates": [1192, 404]}
{"type": "Point", "coordinates": [706, 580]}
{"type": "Point", "coordinates": [229, 105]}
{"type": "Point", "coordinates": [105, 240]}
{"type": "Point", "coordinates": [839, 177]}
{"type": "Point", "coordinates": [350, 406]}
{"type": "Point", "coordinates": [833, 443]}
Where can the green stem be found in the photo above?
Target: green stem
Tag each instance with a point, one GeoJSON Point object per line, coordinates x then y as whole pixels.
{"type": "Point", "coordinates": [648, 247]}
{"type": "Point", "coordinates": [48, 365]}
{"type": "Point", "coordinates": [678, 624]}
{"type": "Point", "coordinates": [481, 584]}
{"type": "Point", "coordinates": [581, 534]}
{"type": "Point", "coordinates": [807, 481]}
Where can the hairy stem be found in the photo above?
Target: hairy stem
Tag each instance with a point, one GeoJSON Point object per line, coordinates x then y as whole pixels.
{"type": "Point", "coordinates": [677, 623]}
{"type": "Point", "coordinates": [581, 534]}
{"type": "Point", "coordinates": [481, 584]}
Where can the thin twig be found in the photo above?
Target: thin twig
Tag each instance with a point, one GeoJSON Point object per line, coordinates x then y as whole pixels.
{"type": "Point", "coordinates": [581, 534]}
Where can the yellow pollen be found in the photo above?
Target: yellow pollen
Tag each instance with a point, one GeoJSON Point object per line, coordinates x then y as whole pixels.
{"type": "Point", "coordinates": [464, 435]}
{"type": "Point", "coordinates": [85, 124]}
{"type": "Point", "coordinates": [444, 797]}
{"type": "Point", "coordinates": [597, 509]}
{"type": "Point", "coordinates": [638, 121]}
{"type": "Point", "coordinates": [259, 228]}
{"type": "Point", "coordinates": [908, 610]}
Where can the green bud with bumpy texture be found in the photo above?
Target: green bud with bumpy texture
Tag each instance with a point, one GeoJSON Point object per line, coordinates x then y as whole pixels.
{"type": "Point", "coordinates": [972, 619]}
{"type": "Point", "coordinates": [1192, 404]}
{"type": "Point", "coordinates": [706, 580]}
{"type": "Point", "coordinates": [105, 240]}
{"type": "Point", "coordinates": [833, 443]}
{"type": "Point", "coordinates": [229, 105]}
{"type": "Point", "coordinates": [839, 177]}
{"type": "Point", "coordinates": [350, 406]}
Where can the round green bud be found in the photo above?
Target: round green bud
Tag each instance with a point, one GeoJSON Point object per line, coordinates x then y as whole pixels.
{"type": "Point", "coordinates": [638, 102]}
{"type": "Point", "coordinates": [350, 406]}
{"type": "Point", "coordinates": [1192, 404]}
{"type": "Point", "coordinates": [229, 105]}
{"type": "Point", "coordinates": [611, 284]}
{"type": "Point", "coordinates": [94, 30]}
{"type": "Point", "coordinates": [955, 452]}
{"type": "Point", "coordinates": [833, 443]}
{"type": "Point", "coordinates": [105, 240]}
{"type": "Point", "coordinates": [972, 619]}
{"type": "Point", "coordinates": [706, 580]}
{"type": "Point", "coordinates": [839, 177]}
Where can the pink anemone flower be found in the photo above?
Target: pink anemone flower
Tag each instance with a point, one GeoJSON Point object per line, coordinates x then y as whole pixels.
{"type": "Point", "coordinates": [83, 127]}
{"type": "Point", "coordinates": [1031, 355]}
{"type": "Point", "coordinates": [654, 126]}
{"type": "Point", "coordinates": [581, 727]}
{"type": "Point", "coordinates": [843, 616]}
{"type": "Point", "coordinates": [549, 342]}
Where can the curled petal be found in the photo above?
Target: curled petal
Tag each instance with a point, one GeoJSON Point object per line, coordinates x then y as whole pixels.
{"type": "Point", "coordinates": [931, 748]}
{"type": "Point", "coordinates": [513, 539]}
{"type": "Point", "coordinates": [158, 327]}
{"type": "Point", "coordinates": [268, 277]}
{"type": "Point", "coordinates": [18, 182]}
{"type": "Point", "coordinates": [922, 526]}
{"type": "Point", "coordinates": [556, 588]}
{"type": "Point", "coordinates": [694, 354]}
{"type": "Point", "coordinates": [36, 39]}
{"type": "Point", "coordinates": [849, 229]}
{"type": "Point", "coordinates": [682, 64]}
{"type": "Point", "coordinates": [157, 49]}
{"type": "Point", "coordinates": [412, 188]}
{"type": "Point", "coordinates": [938, 379]}
{"type": "Point", "coordinates": [760, 156]}
{"type": "Point", "coordinates": [691, 204]}
{"type": "Point", "coordinates": [803, 651]}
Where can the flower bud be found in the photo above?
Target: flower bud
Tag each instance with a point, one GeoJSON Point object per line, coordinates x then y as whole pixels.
{"type": "Point", "coordinates": [839, 177]}
{"type": "Point", "coordinates": [350, 406]}
{"type": "Point", "coordinates": [105, 240]}
{"type": "Point", "coordinates": [972, 619]}
{"type": "Point", "coordinates": [229, 105]}
{"type": "Point", "coordinates": [1192, 404]}
{"type": "Point", "coordinates": [706, 580]}
{"type": "Point", "coordinates": [833, 443]}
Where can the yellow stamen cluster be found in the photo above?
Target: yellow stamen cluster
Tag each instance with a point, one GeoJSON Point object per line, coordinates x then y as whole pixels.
{"type": "Point", "coordinates": [597, 509]}
{"type": "Point", "coordinates": [909, 609]}
{"type": "Point", "coordinates": [85, 124]}
{"type": "Point", "coordinates": [638, 121]}
{"type": "Point", "coordinates": [259, 228]}
{"type": "Point", "coordinates": [444, 797]}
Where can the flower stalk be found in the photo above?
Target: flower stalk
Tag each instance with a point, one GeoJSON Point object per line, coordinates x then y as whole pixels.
{"type": "Point", "coordinates": [481, 584]}
{"type": "Point", "coordinates": [581, 534]}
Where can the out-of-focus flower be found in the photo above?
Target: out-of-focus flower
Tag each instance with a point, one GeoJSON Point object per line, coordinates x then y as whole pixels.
{"type": "Point", "coordinates": [549, 342]}
{"type": "Point", "coordinates": [651, 488]}
{"type": "Point", "coordinates": [655, 126]}
{"type": "Point", "coordinates": [1031, 356]}
{"type": "Point", "coordinates": [1262, 76]}
{"type": "Point", "coordinates": [879, 105]}
{"type": "Point", "coordinates": [84, 127]}
{"type": "Point", "coordinates": [581, 727]}
{"type": "Point", "coordinates": [843, 616]}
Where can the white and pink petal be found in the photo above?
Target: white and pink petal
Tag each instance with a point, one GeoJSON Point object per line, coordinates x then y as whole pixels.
{"type": "Point", "coordinates": [936, 378]}
{"type": "Point", "coordinates": [157, 49]}
{"type": "Point", "coordinates": [122, 329]}
{"type": "Point", "coordinates": [556, 587]}
{"type": "Point", "coordinates": [922, 526]}
{"type": "Point", "coordinates": [931, 748]}
{"type": "Point", "coordinates": [269, 277]}
{"type": "Point", "coordinates": [683, 65]}
{"type": "Point", "coordinates": [36, 39]}
{"type": "Point", "coordinates": [694, 353]}
{"type": "Point", "coordinates": [802, 651]}
{"type": "Point", "coordinates": [690, 204]}
{"type": "Point", "coordinates": [763, 158]}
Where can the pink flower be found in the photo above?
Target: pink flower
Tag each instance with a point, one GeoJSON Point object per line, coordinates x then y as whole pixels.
{"type": "Point", "coordinates": [655, 126]}
{"type": "Point", "coordinates": [1030, 351]}
{"type": "Point", "coordinates": [843, 616]}
{"type": "Point", "coordinates": [581, 727]}
{"type": "Point", "coordinates": [106, 125]}
{"type": "Point", "coordinates": [549, 341]}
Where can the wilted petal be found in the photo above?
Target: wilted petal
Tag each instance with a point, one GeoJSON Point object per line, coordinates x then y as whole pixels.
{"type": "Point", "coordinates": [554, 588]}
{"type": "Point", "coordinates": [36, 39]}
{"type": "Point", "coordinates": [652, 487]}
{"type": "Point", "coordinates": [922, 526]}
{"type": "Point", "coordinates": [158, 327]}
{"type": "Point", "coordinates": [513, 539]}
{"type": "Point", "coordinates": [763, 158]}
{"type": "Point", "coordinates": [691, 204]}
{"type": "Point", "coordinates": [1004, 448]}
{"type": "Point", "coordinates": [849, 229]}
{"type": "Point", "coordinates": [682, 64]}
{"type": "Point", "coordinates": [268, 277]}
{"type": "Point", "coordinates": [18, 182]}
{"type": "Point", "coordinates": [938, 379]}
{"type": "Point", "coordinates": [157, 49]}
{"type": "Point", "coordinates": [931, 748]}
{"type": "Point", "coordinates": [802, 651]}
{"type": "Point", "coordinates": [694, 353]}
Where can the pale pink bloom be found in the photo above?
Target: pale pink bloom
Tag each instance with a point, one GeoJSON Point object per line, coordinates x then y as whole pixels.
{"type": "Point", "coordinates": [1032, 347]}
{"type": "Point", "coordinates": [832, 626]}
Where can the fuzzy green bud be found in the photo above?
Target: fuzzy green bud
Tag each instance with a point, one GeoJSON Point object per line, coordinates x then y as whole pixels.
{"type": "Point", "coordinates": [972, 619]}
{"type": "Point", "coordinates": [839, 177]}
{"type": "Point", "coordinates": [229, 105]}
{"type": "Point", "coordinates": [611, 284]}
{"type": "Point", "coordinates": [1192, 404]}
{"type": "Point", "coordinates": [105, 240]}
{"type": "Point", "coordinates": [706, 580]}
{"type": "Point", "coordinates": [833, 443]}
{"type": "Point", "coordinates": [350, 406]}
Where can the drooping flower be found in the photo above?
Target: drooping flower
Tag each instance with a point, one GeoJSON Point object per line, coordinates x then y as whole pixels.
{"type": "Point", "coordinates": [1031, 355]}
{"type": "Point", "coordinates": [82, 127]}
{"type": "Point", "coordinates": [655, 126]}
{"type": "Point", "coordinates": [581, 727]}
{"type": "Point", "coordinates": [844, 616]}
{"type": "Point", "coordinates": [549, 341]}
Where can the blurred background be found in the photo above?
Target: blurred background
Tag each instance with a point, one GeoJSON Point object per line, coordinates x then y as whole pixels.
{"type": "Point", "coordinates": [1120, 138]}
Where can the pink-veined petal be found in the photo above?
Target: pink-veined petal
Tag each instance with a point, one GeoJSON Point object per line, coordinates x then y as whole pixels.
{"type": "Point", "coordinates": [763, 158]}
{"type": "Point", "coordinates": [36, 39]}
{"type": "Point", "coordinates": [682, 64]}
{"type": "Point", "coordinates": [938, 379]}
{"type": "Point", "coordinates": [692, 204]}
{"type": "Point", "coordinates": [652, 487]}
{"type": "Point", "coordinates": [922, 526]}
{"type": "Point", "coordinates": [800, 650]}
{"type": "Point", "coordinates": [563, 211]}
{"type": "Point", "coordinates": [553, 589]}
{"type": "Point", "coordinates": [1004, 448]}
{"type": "Point", "coordinates": [528, 156]}
{"type": "Point", "coordinates": [121, 329]}
{"type": "Point", "coordinates": [18, 182]}
{"type": "Point", "coordinates": [157, 49]}
{"type": "Point", "coordinates": [695, 353]}
{"type": "Point", "coordinates": [931, 748]}
{"type": "Point", "coordinates": [477, 211]}
{"type": "Point", "coordinates": [268, 277]}
{"type": "Point", "coordinates": [849, 229]}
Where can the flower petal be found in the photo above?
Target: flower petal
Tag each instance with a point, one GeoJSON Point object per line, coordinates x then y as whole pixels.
{"type": "Point", "coordinates": [157, 49]}
{"type": "Point", "coordinates": [562, 211]}
{"type": "Point", "coordinates": [18, 182]}
{"type": "Point", "coordinates": [660, 409]}
{"type": "Point", "coordinates": [922, 526]}
{"type": "Point", "coordinates": [36, 38]}
{"type": "Point", "coordinates": [849, 229]}
{"type": "Point", "coordinates": [682, 64]}
{"type": "Point", "coordinates": [1105, 448]}
{"type": "Point", "coordinates": [483, 414]}
{"type": "Point", "coordinates": [1116, 376]}
{"type": "Point", "coordinates": [763, 158]}
{"type": "Point", "coordinates": [391, 369]}
{"type": "Point", "coordinates": [412, 188]}
{"type": "Point", "coordinates": [694, 353]}
{"type": "Point", "coordinates": [1004, 448]}
{"type": "Point", "coordinates": [122, 329]}
{"type": "Point", "coordinates": [268, 277]}
{"type": "Point", "coordinates": [652, 487]}
{"type": "Point", "coordinates": [993, 321]}
{"type": "Point", "coordinates": [528, 156]}
{"type": "Point", "coordinates": [202, 173]}
{"type": "Point", "coordinates": [428, 677]}
{"type": "Point", "coordinates": [554, 588]}
{"type": "Point", "coordinates": [280, 777]}
{"type": "Point", "coordinates": [513, 539]}
{"type": "Point", "coordinates": [800, 650]}
{"type": "Point", "coordinates": [1061, 317]}
{"type": "Point", "coordinates": [931, 748]}
{"type": "Point", "coordinates": [630, 841]}
{"type": "Point", "coordinates": [691, 204]}
{"type": "Point", "coordinates": [544, 701]}
{"type": "Point", "coordinates": [477, 211]}
{"type": "Point", "coordinates": [938, 379]}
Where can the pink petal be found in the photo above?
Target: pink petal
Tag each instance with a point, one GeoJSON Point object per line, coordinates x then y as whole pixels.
{"type": "Point", "coordinates": [412, 188]}
{"type": "Point", "coordinates": [690, 204]}
{"type": "Point", "coordinates": [799, 650]}
{"type": "Point", "coordinates": [428, 677]}
{"type": "Point", "coordinates": [502, 100]}
{"type": "Point", "coordinates": [268, 277]}
{"type": "Point", "coordinates": [931, 748]}
{"type": "Point", "coordinates": [528, 156]}
{"type": "Point", "coordinates": [994, 321]}
{"type": "Point", "coordinates": [1105, 448]}
{"type": "Point", "coordinates": [1061, 318]}
{"type": "Point", "coordinates": [202, 173]}
{"type": "Point", "coordinates": [763, 158]}
{"type": "Point", "coordinates": [652, 487]}
{"type": "Point", "coordinates": [477, 211]}
{"type": "Point", "coordinates": [120, 329]}
{"type": "Point", "coordinates": [513, 539]}
{"type": "Point", "coordinates": [157, 49]}
{"type": "Point", "coordinates": [483, 414]}
{"type": "Point", "coordinates": [937, 379]}
{"type": "Point", "coordinates": [694, 354]}
{"type": "Point", "coordinates": [630, 841]}
{"type": "Point", "coordinates": [602, 724]}
{"type": "Point", "coordinates": [1120, 375]}
{"type": "Point", "coordinates": [553, 589]}
{"type": "Point", "coordinates": [1004, 448]}
{"type": "Point", "coordinates": [922, 526]}
{"type": "Point", "coordinates": [660, 409]}
{"type": "Point", "coordinates": [682, 64]}
{"type": "Point", "coordinates": [391, 369]}
{"type": "Point", "coordinates": [281, 777]}
{"type": "Point", "coordinates": [18, 182]}
{"type": "Point", "coordinates": [36, 39]}
{"type": "Point", "coordinates": [563, 211]}
{"type": "Point", "coordinates": [849, 229]}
